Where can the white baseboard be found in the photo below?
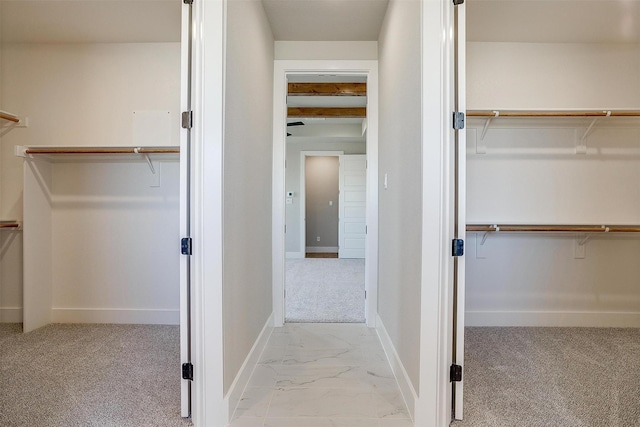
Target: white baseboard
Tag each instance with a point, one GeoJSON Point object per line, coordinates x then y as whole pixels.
{"type": "Point", "coordinates": [592, 319]}
{"type": "Point", "coordinates": [321, 249]}
{"type": "Point", "coordinates": [295, 255]}
{"type": "Point", "coordinates": [242, 379]}
{"type": "Point", "coordinates": [115, 315]}
{"type": "Point", "coordinates": [10, 314]}
{"type": "Point", "coordinates": [408, 392]}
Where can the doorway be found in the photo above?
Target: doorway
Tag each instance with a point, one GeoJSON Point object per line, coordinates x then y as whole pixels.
{"type": "Point", "coordinates": [288, 246]}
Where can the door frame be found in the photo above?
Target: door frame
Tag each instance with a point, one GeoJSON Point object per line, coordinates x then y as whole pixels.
{"type": "Point", "coordinates": [283, 68]}
{"type": "Point", "coordinates": [303, 192]}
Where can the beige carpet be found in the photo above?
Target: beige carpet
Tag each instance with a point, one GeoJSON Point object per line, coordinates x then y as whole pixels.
{"type": "Point", "coordinates": [555, 377]}
{"type": "Point", "coordinates": [90, 375]}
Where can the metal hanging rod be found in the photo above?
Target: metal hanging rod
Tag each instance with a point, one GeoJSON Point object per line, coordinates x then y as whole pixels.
{"type": "Point", "coordinates": [540, 228]}
{"type": "Point", "coordinates": [550, 113]}
{"type": "Point", "coordinates": [115, 150]}
{"type": "Point", "coordinates": [8, 116]}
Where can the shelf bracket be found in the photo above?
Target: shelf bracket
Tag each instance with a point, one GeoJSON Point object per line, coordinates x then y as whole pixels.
{"type": "Point", "coordinates": [581, 148]}
{"type": "Point", "coordinates": [496, 114]}
{"type": "Point", "coordinates": [147, 158]}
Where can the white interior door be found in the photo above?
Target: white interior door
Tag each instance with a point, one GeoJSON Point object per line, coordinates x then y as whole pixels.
{"type": "Point", "coordinates": [352, 225]}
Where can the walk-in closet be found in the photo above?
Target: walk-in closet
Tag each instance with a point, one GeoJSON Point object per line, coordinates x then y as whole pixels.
{"type": "Point", "coordinates": [90, 208]}
{"type": "Point", "coordinates": [552, 213]}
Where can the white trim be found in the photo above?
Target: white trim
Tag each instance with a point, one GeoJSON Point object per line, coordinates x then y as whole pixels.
{"type": "Point", "coordinates": [408, 392]}
{"type": "Point", "coordinates": [116, 315]}
{"type": "Point", "coordinates": [321, 249]}
{"type": "Point", "coordinates": [10, 314]}
{"type": "Point", "coordinates": [295, 255]}
{"type": "Point", "coordinates": [244, 374]}
{"type": "Point", "coordinates": [433, 406]}
{"type": "Point", "coordinates": [587, 319]}
{"type": "Point", "coordinates": [208, 404]}
{"type": "Point", "coordinates": [345, 67]}
{"type": "Point", "coordinates": [302, 218]}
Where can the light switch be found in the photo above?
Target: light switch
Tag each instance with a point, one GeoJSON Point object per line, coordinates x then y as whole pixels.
{"type": "Point", "coordinates": [330, 202]}
{"type": "Point", "coordinates": [385, 182]}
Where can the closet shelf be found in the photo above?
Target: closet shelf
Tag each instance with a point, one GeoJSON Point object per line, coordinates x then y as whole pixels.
{"type": "Point", "coordinates": [551, 113]}
{"type": "Point", "coordinates": [10, 117]}
{"type": "Point", "coordinates": [24, 151]}
{"type": "Point", "coordinates": [540, 228]}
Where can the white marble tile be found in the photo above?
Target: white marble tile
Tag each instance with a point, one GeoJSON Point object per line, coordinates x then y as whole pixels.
{"type": "Point", "coordinates": [272, 356]}
{"type": "Point", "coordinates": [347, 377]}
{"type": "Point", "coordinates": [278, 340]}
{"type": "Point", "coordinates": [390, 404]}
{"type": "Point", "coordinates": [264, 376]}
{"type": "Point", "coordinates": [323, 356]}
{"type": "Point", "coordinates": [254, 403]}
{"type": "Point", "coordinates": [396, 423]}
{"type": "Point", "coordinates": [247, 422]}
{"type": "Point", "coordinates": [321, 422]}
{"type": "Point", "coordinates": [321, 402]}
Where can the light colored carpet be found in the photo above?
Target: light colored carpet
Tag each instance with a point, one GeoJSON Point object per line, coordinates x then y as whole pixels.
{"type": "Point", "coordinates": [90, 375]}
{"type": "Point", "coordinates": [555, 377]}
{"type": "Point", "coordinates": [325, 290]}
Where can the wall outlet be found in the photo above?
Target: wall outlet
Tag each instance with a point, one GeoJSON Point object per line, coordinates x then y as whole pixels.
{"type": "Point", "coordinates": [318, 239]}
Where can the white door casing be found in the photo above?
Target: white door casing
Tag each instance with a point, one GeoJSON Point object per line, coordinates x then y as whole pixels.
{"type": "Point", "coordinates": [282, 68]}
{"type": "Point", "coordinates": [352, 208]}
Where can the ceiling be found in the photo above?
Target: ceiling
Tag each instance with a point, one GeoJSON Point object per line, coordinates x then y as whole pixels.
{"type": "Point", "coordinates": [114, 21]}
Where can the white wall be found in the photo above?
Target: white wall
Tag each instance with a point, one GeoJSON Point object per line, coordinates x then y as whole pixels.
{"type": "Point", "coordinates": [532, 174]}
{"type": "Point", "coordinates": [356, 50]}
{"type": "Point", "coordinates": [400, 154]}
{"type": "Point", "coordinates": [247, 182]}
{"type": "Point", "coordinates": [82, 94]}
{"type": "Point", "coordinates": [292, 177]}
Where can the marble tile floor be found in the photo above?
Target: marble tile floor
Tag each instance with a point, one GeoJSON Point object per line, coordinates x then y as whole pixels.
{"type": "Point", "coordinates": [322, 375]}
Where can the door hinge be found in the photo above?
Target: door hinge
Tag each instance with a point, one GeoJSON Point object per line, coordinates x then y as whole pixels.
{"type": "Point", "coordinates": [186, 246]}
{"type": "Point", "coordinates": [187, 119]}
{"type": "Point", "coordinates": [458, 120]}
{"type": "Point", "coordinates": [457, 247]}
{"type": "Point", "coordinates": [365, 294]}
{"type": "Point", "coordinates": [191, 1]}
{"type": "Point", "coordinates": [455, 373]}
{"type": "Point", "coordinates": [455, 2]}
{"type": "Point", "coordinates": [187, 371]}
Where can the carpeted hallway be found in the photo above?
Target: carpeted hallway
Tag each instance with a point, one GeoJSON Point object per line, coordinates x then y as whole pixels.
{"type": "Point", "coordinates": [555, 377]}
{"type": "Point", "coordinates": [90, 375]}
{"type": "Point", "coordinates": [325, 290]}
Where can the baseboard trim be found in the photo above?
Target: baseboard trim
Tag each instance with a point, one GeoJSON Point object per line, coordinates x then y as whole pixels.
{"type": "Point", "coordinates": [295, 255]}
{"type": "Point", "coordinates": [242, 378]}
{"type": "Point", "coordinates": [321, 249]}
{"type": "Point", "coordinates": [593, 319]}
{"type": "Point", "coordinates": [10, 314]}
{"type": "Point", "coordinates": [408, 392]}
{"type": "Point", "coordinates": [115, 315]}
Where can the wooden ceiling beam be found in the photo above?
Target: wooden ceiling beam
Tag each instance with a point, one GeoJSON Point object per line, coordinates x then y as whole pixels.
{"type": "Point", "coordinates": [327, 112]}
{"type": "Point", "coordinates": [327, 89]}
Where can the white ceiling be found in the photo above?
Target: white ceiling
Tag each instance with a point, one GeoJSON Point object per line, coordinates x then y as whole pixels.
{"type": "Point", "coordinates": [83, 21]}
{"type": "Point", "coordinates": [325, 20]}
{"type": "Point", "coordinates": [554, 21]}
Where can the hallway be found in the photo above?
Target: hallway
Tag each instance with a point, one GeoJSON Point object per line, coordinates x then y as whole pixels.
{"type": "Point", "coordinates": [322, 375]}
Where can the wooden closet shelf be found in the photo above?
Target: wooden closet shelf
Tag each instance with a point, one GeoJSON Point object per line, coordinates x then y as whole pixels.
{"type": "Point", "coordinates": [487, 228]}
{"type": "Point", "coordinates": [541, 113]}
{"type": "Point", "coordinates": [10, 117]}
{"type": "Point", "coordinates": [115, 150]}
{"type": "Point", "coordinates": [9, 224]}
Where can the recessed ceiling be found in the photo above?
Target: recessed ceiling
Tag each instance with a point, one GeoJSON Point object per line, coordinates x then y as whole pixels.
{"type": "Point", "coordinates": [90, 21]}
{"type": "Point", "coordinates": [558, 21]}
{"type": "Point", "coordinates": [325, 20]}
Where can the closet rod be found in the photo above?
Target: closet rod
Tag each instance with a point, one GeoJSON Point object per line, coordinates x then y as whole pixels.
{"type": "Point", "coordinates": [9, 225]}
{"type": "Point", "coordinates": [8, 116]}
{"type": "Point", "coordinates": [540, 228]}
{"type": "Point", "coordinates": [101, 150]}
{"type": "Point", "coordinates": [515, 113]}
